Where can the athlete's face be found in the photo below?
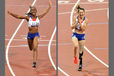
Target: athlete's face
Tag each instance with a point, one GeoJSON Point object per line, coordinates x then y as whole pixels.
{"type": "Point", "coordinates": [81, 13]}
{"type": "Point", "coordinates": [33, 11]}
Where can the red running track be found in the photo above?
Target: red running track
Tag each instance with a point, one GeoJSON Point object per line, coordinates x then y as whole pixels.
{"type": "Point", "coordinates": [96, 39]}
{"type": "Point", "coordinates": [20, 58]}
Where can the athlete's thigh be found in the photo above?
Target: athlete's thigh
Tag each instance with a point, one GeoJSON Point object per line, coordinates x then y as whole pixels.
{"type": "Point", "coordinates": [35, 41]}
{"type": "Point", "coordinates": [30, 43]}
{"type": "Point", "coordinates": [82, 42]}
{"type": "Point", "coordinates": [75, 41]}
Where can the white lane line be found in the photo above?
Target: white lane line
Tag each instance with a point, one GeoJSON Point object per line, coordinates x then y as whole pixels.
{"type": "Point", "coordinates": [71, 15]}
{"type": "Point", "coordinates": [85, 46]}
{"type": "Point", "coordinates": [26, 40]}
{"type": "Point", "coordinates": [49, 50]}
{"type": "Point", "coordinates": [24, 45]}
{"type": "Point", "coordinates": [96, 1]}
{"type": "Point", "coordinates": [95, 56]}
{"type": "Point", "coordinates": [7, 60]}
{"type": "Point", "coordinates": [85, 3]}
{"type": "Point", "coordinates": [49, 53]}
{"type": "Point", "coordinates": [63, 2]}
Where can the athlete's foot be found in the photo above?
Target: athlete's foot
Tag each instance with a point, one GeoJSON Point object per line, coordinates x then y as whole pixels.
{"type": "Point", "coordinates": [34, 65]}
{"type": "Point", "coordinates": [75, 60]}
{"type": "Point", "coordinates": [80, 67]}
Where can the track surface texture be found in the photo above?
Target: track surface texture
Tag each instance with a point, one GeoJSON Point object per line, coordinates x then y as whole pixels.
{"type": "Point", "coordinates": [96, 39]}
{"type": "Point", "coordinates": [19, 55]}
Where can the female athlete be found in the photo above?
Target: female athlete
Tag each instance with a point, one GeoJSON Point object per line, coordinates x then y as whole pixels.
{"type": "Point", "coordinates": [33, 24]}
{"type": "Point", "coordinates": [78, 37]}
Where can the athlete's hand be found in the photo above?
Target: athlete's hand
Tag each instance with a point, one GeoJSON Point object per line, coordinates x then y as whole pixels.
{"type": "Point", "coordinates": [79, 20]}
{"type": "Point", "coordinates": [9, 12]}
{"type": "Point", "coordinates": [50, 3]}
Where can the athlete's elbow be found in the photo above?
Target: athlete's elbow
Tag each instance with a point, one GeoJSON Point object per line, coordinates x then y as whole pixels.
{"type": "Point", "coordinates": [17, 17]}
{"type": "Point", "coordinates": [72, 27]}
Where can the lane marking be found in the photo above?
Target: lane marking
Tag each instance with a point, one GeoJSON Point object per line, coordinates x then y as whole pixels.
{"type": "Point", "coordinates": [7, 60]}
{"type": "Point", "coordinates": [24, 45]}
{"type": "Point", "coordinates": [85, 46]}
{"type": "Point", "coordinates": [63, 2]}
{"type": "Point", "coordinates": [95, 0]}
{"type": "Point", "coordinates": [101, 48]}
{"type": "Point", "coordinates": [89, 24]}
{"type": "Point", "coordinates": [26, 40]}
{"type": "Point", "coordinates": [49, 50]}
{"type": "Point", "coordinates": [95, 57]}
{"type": "Point", "coordinates": [85, 3]}
{"type": "Point", "coordinates": [49, 53]}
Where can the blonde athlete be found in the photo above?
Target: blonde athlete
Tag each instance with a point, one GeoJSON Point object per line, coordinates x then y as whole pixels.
{"type": "Point", "coordinates": [33, 24]}
{"type": "Point", "coordinates": [78, 37]}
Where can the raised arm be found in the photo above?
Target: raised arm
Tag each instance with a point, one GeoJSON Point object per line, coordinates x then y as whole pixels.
{"type": "Point", "coordinates": [42, 15]}
{"type": "Point", "coordinates": [17, 16]}
{"type": "Point", "coordinates": [74, 23]}
{"type": "Point", "coordinates": [84, 26]}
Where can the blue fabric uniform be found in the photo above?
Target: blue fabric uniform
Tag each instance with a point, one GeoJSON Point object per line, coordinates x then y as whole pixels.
{"type": "Point", "coordinates": [32, 36]}
{"type": "Point", "coordinates": [79, 36]}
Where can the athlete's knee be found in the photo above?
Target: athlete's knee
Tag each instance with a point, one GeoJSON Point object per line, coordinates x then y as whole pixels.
{"type": "Point", "coordinates": [81, 51]}
{"type": "Point", "coordinates": [35, 49]}
{"type": "Point", "coordinates": [80, 55]}
{"type": "Point", "coordinates": [30, 46]}
{"type": "Point", "coordinates": [81, 47]}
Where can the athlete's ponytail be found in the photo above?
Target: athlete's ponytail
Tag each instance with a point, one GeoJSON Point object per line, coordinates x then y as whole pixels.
{"type": "Point", "coordinates": [77, 8]}
{"type": "Point", "coordinates": [29, 13]}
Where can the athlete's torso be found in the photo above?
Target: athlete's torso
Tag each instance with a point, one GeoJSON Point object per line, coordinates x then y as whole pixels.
{"type": "Point", "coordinates": [33, 24]}
{"type": "Point", "coordinates": [78, 28]}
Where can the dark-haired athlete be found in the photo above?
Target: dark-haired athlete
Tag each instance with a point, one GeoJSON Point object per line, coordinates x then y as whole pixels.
{"type": "Point", "coordinates": [78, 37]}
{"type": "Point", "coordinates": [33, 24]}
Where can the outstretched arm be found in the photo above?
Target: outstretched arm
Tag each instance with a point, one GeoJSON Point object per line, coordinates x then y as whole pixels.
{"type": "Point", "coordinates": [42, 15]}
{"type": "Point", "coordinates": [17, 16]}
